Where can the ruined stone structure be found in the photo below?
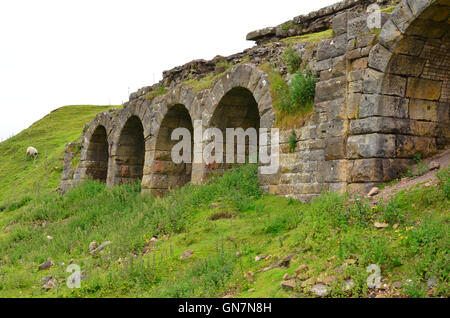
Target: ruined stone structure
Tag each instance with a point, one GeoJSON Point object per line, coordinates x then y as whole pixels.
{"type": "Point", "coordinates": [382, 97]}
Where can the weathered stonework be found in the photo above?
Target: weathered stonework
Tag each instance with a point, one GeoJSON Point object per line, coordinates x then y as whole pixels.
{"type": "Point", "coordinates": [383, 97]}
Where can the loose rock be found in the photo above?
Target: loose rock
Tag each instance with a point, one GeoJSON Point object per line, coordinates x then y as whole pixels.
{"type": "Point", "coordinates": [301, 268]}
{"type": "Point", "coordinates": [349, 284]}
{"type": "Point", "coordinates": [187, 254]}
{"type": "Point", "coordinates": [434, 165]}
{"type": "Point", "coordinates": [46, 265]}
{"type": "Point", "coordinates": [431, 283]}
{"type": "Point", "coordinates": [374, 192]}
{"type": "Point", "coordinates": [100, 248]}
{"type": "Point", "coordinates": [320, 290]}
{"type": "Point", "coordinates": [49, 283]}
{"type": "Point", "coordinates": [260, 257]}
{"type": "Point", "coordinates": [288, 284]}
{"type": "Point", "coordinates": [286, 261]}
{"type": "Point", "coordinates": [379, 225]}
{"type": "Point", "coordinates": [92, 246]}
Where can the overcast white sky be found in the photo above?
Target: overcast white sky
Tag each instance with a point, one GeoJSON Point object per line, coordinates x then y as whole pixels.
{"type": "Point", "coordinates": [76, 52]}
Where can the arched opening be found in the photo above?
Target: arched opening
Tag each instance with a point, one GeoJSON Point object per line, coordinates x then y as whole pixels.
{"type": "Point", "coordinates": [130, 154]}
{"type": "Point", "coordinates": [237, 109]}
{"type": "Point", "coordinates": [165, 173]}
{"type": "Point", "coordinates": [421, 60]}
{"type": "Point", "coordinates": [97, 155]}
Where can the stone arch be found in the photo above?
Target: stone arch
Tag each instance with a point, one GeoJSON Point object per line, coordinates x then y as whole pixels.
{"type": "Point", "coordinates": [163, 174]}
{"type": "Point", "coordinates": [128, 152]}
{"type": "Point", "coordinates": [239, 99]}
{"type": "Point", "coordinates": [97, 155]}
{"type": "Point", "coordinates": [246, 77]}
{"type": "Point", "coordinates": [95, 149]}
{"type": "Point", "coordinates": [236, 109]}
{"type": "Point", "coordinates": [407, 86]}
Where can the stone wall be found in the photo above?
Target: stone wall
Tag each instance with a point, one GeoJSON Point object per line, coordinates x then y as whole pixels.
{"type": "Point", "coordinates": [381, 99]}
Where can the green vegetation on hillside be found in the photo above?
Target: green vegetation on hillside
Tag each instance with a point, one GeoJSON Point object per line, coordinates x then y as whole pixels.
{"type": "Point", "coordinates": [226, 224]}
{"type": "Point", "coordinates": [22, 177]}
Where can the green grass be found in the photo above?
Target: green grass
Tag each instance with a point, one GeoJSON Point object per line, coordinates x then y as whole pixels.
{"type": "Point", "coordinates": [206, 82]}
{"type": "Point", "coordinates": [322, 235]}
{"type": "Point", "coordinates": [161, 91]}
{"type": "Point", "coordinates": [293, 103]}
{"type": "Point", "coordinates": [37, 225]}
{"type": "Point", "coordinates": [314, 38]}
{"type": "Point", "coordinates": [21, 176]}
{"type": "Point", "coordinates": [388, 10]}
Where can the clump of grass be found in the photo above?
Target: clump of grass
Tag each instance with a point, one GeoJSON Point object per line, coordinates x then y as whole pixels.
{"type": "Point", "coordinates": [206, 82]}
{"type": "Point", "coordinates": [444, 178]}
{"type": "Point", "coordinates": [293, 102]}
{"type": "Point", "coordinates": [302, 91]}
{"type": "Point", "coordinates": [160, 91]}
{"type": "Point", "coordinates": [388, 10]}
{"type": "Point", "coordinates": [292, 141]}
{"type": "Point", "coordinates": [313, 38]}
{"type": "Point", "coordinates": [292, 59]}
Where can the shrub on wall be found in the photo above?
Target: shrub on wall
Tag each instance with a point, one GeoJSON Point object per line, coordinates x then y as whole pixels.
{"type": "Point", "coordinates": [302, 90]}
{"type": "Point", "coordinates": [299, 95]}
{"type": "Point", "coordinates": [292, 59]}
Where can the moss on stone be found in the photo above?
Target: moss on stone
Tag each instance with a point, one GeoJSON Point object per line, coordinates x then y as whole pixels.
{"type": "Point", "coordinates": [206, 82]}
{"type": "Point", "coordinates": [388, 10]}
{"type": "Point", "coordinates": [311, 37]}
{"type": "Point", "coordinates": [161, 91]}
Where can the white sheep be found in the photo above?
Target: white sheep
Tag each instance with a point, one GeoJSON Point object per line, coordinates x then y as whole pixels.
{"type": "Point", "coordinates": [32, 152]}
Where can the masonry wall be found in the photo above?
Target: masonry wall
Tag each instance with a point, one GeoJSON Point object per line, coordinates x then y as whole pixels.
{"type": "Point", "coordinates": [382, 99]}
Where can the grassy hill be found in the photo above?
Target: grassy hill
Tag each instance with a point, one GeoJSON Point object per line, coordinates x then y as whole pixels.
{"type": "Point", "coordinates": [21, 177]}
{"type": "Point", "coordinates": [221, 239]}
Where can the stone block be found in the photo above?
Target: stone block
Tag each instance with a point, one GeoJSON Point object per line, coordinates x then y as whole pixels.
{"type": "Point", "coordinates": [360, 63]}
{"type": "Point", "coordinates": [336, 109]}
{"type": "Point", "coordinates": [355, 75]}
{"type": "Point", "coordinates": [402, 16]}
{"type": "Point", "coordinates": [379, 125]}
{"type": "Point", "coordinates": [406, 65]}
{"type": "Point", "coordinates": [366, 170]}
{"type": "Point", "coordinates": [423, 110]}
{"type": "Point", "coordinates": [390, 35]}
{"type": "Point", "coordinates": [335, 148]}
{"type": "Point", "coordinates": [355, 87]}
{"type": "Point", "coordinates": [353, 102]}
{"type": "Point", "coordinates": [371, 146]}
{"type": "Point", "coordinates": [409, 146]}
{"type": "Point", "coordinates": [383, 105]}
{"type": "Point", "coordinates": [418, 6]}
{"type": "Point", "coordinates": [357, 26]}
{"type": "Point", "coordinates": [354, 54]}
{"type": "Point", "coordinates": [379, 57]}
{"type": "Point", "coordinates": [331, 89]}
{"type": "Point", "coordinates": [340, 23]}
{"type": "Point", "coordinates": [410, 46]}
{"type": "Point", "coordinates": [376, 82]}
{"type": "Point", "coordinates": [332, 171]}
{"type": "Point", "coordinates": [332, 47]}
{"type": "Point", "coordinates": [421, 88]}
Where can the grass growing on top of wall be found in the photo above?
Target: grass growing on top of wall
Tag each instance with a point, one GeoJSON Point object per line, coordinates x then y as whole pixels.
{"type": "Point", "coordinates": [292, 102]}
{"type": "Point", "coordinates": [323, 235]}
{"type": "Point", "coordinates": [206, 82]}
{"type": "Point", "coordinates": [388, 10]}
{"type": "Point", "coordinates": [21, 176]}
{"type": "Point", "coordinates": [160, 91]}
{"type": "Point", "coordinates": [311, 37]}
